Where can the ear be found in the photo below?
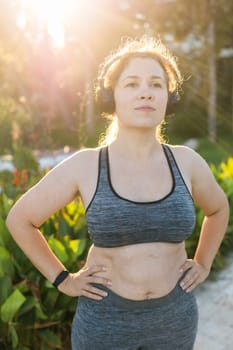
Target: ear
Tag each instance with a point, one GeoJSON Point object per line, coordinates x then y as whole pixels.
{"type": "Point", "coordinates": [173, 99]}
{"type": "Point", "coordinates": [105, 100]}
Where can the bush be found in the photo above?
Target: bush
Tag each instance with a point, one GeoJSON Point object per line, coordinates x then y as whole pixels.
{"type": "Point", "coordinates": [33, 314]}
{"type": "Point", "coordinates": [224, 176]}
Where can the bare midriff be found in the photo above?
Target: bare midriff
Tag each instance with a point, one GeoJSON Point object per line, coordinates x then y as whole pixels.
{"type": "Point", "coordinates": [140, 271]}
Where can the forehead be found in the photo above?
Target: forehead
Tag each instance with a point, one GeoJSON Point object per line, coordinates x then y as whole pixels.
{"type": "Point", "coordinates": [142, 67]}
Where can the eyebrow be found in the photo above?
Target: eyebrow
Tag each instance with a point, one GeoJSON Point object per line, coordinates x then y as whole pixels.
{"type": "Point", "coordinates": [137, 77]}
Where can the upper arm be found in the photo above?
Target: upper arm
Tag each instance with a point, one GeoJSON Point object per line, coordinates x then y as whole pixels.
{"type": "Point", "coordinates": [56, 189]}
{"type": "Point", "coordinates": [207, 193]}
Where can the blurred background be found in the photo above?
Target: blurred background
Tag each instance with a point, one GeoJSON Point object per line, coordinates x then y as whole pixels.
{"type": "Point", "coordinates": [49, 57]}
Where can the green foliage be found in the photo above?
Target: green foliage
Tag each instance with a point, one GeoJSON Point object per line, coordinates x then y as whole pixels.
{"type": "Point", "coordinates": [224, 176]}
{"type": "Point", "coordinates": [24, 159]}
{"type": "Point", "coordinates": [215, 152]}
{"type": "Point", "coordinates": [33, 314]}
{"type": "Point", "coordinates": [36, 316]}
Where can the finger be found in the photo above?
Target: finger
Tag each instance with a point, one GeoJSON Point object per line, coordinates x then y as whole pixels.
{"type": "Point", "coordinates": [94, 269]}
{"type": "Point", "coordinates": [91, 295]}
{"type": "Point", "coordinates": [99, 280]}
{"type": "Point", "coordinates": [97, 291]}
{"type": "Point", "coordinates": [187, 265]}
{"type": "Point", "coordinates": [192, 287]}
{"type": "Point", "coordinates": [188, 280]}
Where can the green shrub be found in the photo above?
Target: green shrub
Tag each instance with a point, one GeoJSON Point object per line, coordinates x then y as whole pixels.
{"type": "Point", "coordinates": [224, 176]}
{"type": "Point", "coordinates": [33, 314]}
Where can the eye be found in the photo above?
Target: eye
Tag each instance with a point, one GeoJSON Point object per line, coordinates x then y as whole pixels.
{"type": "Point", "coordinates": [131, 84]}
{"type": "Point", "coordinates": [157, 85]}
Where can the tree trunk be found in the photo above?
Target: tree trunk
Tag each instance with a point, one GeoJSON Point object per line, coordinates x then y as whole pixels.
{"type": "Point", "coordinates": [212, 132]}
{"type": "Point", "coordinates": [89, 112]}
{"type": "Point", "coordinates": [232, 102]}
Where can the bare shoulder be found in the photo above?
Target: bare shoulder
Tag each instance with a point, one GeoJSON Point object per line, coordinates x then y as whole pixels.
{"type": "Point", "coordinates": [195, 164]}
{"type": "Point", "coordinates": [189, 161]}
{"type": "Point", "coordinates": [74, 172]}
{"type": "Point", "coordinates": [185, 154]}
{"type": "Point", "coordinates": [82, 158]}
{"type": "Point", "coordinates": [58, 187]}
{"type": "Point", "coordinates": [205, 190]}
{"type": "Point", "coordinates": [84, 163]}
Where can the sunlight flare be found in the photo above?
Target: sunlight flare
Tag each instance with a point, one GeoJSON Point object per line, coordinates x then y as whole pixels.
{"type": "Point", "coordinates": [52, 14]}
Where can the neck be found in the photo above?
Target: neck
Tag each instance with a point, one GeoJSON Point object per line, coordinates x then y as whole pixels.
{"type": "Point", "coordinates": [136, 142]}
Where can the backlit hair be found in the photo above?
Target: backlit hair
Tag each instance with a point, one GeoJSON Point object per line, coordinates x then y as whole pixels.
{"type": "Point", "coordinates": [114, 64]}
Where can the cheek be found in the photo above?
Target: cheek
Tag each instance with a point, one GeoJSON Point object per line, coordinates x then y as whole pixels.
{"type": "Point", "coordinates": [122, 99]}
{"type": "Point", "coordinates": [162, 100]}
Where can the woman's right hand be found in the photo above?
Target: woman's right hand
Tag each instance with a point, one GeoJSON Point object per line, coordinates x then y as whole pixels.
{"type": "Point", "coordinates": [79, 283]}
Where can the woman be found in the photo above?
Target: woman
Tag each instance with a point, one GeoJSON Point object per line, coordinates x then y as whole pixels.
{"type": "Point", "coordinates": [136, 288]}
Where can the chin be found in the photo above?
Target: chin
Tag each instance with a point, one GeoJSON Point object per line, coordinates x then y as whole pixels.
{"type": "Point", "coordinates": [152, 123]}
{"type": "Point", "coordinates": [143, 126]}
{"type": "Point", "coordinates": [141, 123]}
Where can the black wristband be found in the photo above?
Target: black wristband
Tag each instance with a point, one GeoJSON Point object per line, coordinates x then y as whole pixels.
{"type": "Point", "coordinates": [60, 278]}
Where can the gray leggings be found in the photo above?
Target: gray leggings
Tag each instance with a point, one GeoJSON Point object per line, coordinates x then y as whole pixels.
{"type": "Point", "coordinates": [116, 323]}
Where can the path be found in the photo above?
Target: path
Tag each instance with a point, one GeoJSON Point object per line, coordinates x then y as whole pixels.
{"type": "Point", "coordinates": [215, 300]}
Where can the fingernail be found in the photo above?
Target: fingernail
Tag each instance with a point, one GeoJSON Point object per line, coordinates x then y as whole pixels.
{"type": "Point", "coordinates": [105, 294]}
{"type": "Point", "coordinates": [104, 268]}
{"type": "Point", "coordinates": [180, 270]}
{"type": "Point", "coordinates": [182, 284]}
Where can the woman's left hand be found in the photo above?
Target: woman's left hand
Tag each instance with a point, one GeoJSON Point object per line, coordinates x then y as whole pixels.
{"type": "Point", "coordinates": [196, 274]}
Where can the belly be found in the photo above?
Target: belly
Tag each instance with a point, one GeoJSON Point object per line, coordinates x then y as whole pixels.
{"type": "Point", "coordinates": [140, 271]}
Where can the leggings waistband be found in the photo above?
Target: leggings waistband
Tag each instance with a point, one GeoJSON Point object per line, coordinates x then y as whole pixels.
{"type": "Point", "coordinates": [125, 303]}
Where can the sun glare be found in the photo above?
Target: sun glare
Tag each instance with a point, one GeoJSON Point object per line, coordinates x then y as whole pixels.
{"type": "Point", "coordinates": [53, 14]}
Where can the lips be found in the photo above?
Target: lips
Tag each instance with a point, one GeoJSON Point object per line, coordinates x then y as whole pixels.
{"type": "Point", "coordinates": [145, 108]}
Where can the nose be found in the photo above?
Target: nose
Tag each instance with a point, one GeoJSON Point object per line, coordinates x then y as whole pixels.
{"type": "Point", "coordinates": [146, 95]}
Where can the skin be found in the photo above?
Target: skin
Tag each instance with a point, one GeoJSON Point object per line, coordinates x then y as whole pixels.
{"type": "Point", "coordinates": [137, 271]}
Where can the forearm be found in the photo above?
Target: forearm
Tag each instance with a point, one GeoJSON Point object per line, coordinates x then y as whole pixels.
{"type": "Point", "coordinates": [35, 247]}
{"type": "Point", "coordinates": [211, 236]}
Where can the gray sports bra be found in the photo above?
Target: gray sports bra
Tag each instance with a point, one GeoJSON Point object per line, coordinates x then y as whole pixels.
{"type": "Point", "coordinates": [114, 221]}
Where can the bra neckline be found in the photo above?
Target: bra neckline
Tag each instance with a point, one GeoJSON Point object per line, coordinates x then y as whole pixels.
{"type": "Point", "coordinates": [140, 202]}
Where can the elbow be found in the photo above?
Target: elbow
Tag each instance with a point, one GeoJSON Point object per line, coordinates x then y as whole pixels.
{"type": "Point", "coordinates": [227, 209]}
{"type": "Point", "coordinates": [224, 211]}
{"type": "Point", "coordinates": [11, 220]}
{"type": "Point", "coordinates": [225, 206]}
{"type": "Point", "coordinates": [18, 220]}
{"type": "Point", "coordinates": [15, 220]}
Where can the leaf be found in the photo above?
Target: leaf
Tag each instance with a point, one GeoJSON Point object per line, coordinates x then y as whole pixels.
{"type": "Point", "coordinates": [77, 246]}
{"type": "Point", "coordinates": [13, 335]}
{"type": "Point", "coordinates": [12, 306]}
{"type": "Point", "coordinates": [64, 226]}
{"type": "Point", "coordinates": [6, 264]}
{"type": "Point", "coordinates": [6, 288]}
{"type": "Point", "coordinates": [39, 312]}
{"type": "Point", "coordinates": [59, 249]}
{"type": "Point", "coordinates": [51, 339]}
{"type": "Point", "coordinates": [7, 203]}
{"type": "Point", "coordinates": [4, 234]}
{"type": "Point", "coordinates": [71, 208]}
{"type": "Point", "coordinates": [50, 299]}
{"type": "Point", "coordinates": [28, 305]}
